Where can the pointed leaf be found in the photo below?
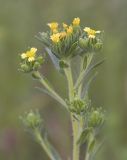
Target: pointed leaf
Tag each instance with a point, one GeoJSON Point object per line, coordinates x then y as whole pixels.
{"type": "Point", "coordinates": [91, 145]}
{"type": "Point", "coordinates": [84, 136]}
{"type": "Point", "coordinates": [53, 150]}
{"type": "Point", "coordinates": [48, 93]}
{"type": "Point", "coordinates": [87, 85]}
{"type": "Point", "coordinates": [95, 66]}
{"type": "Point", "coordinates": [54, 59]}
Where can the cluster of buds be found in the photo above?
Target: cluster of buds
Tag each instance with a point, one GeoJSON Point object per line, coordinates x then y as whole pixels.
{"type": "Point", "coordinates": [30, 61]}
{"type": "Point", "coordinates": [71, 40]}
{"type": "Point", "coordinates": [91, 41]}
{"type": "Point", "coordinates": [93, 120]}
{"type": "Point", "coordinates": [77, 106]}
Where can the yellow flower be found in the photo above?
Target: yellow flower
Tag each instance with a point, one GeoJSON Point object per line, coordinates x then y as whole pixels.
{"type": "Point", "coordinates": [70, 30]}
{"type": "Point", "coordinates": [76, 21]}
{"type": "Point", "coordinates": [65, 25]}
{"type": "Point", "coordinates": [55, 37]}
{"type": "Point", "coordinates": [91, 33]}
{"type": "Point", "coordinates": [53, 26]}
{"type": "Point", "coordinates": [63, 34]}
{"type": "Point", "coordinates": [55, 31]}
{"type": "Point", "coordinates": [30, 55]}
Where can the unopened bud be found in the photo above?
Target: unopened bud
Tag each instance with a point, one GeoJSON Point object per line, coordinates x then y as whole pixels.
{"type": "Point", "coordinates": [83, 43]}
{"type": "Point", "coordinates": [32, 120]}
{"type": "Point", "coordinates": [25, 68]}
{"type": "Point", "coordinates": [63, 64]}
{"type": "Point", "coordinates": [96, 119]}
{"type": "Point", "coordinates": [98, 46]}
{"type": "Point", "coordinates": [36, 66]}
{"type": "Point", "coordinates": [40, 60]}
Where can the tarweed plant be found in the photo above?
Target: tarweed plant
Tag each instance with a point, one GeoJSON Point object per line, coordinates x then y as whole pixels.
{"type": "Point", "coordinates": [65, 43]}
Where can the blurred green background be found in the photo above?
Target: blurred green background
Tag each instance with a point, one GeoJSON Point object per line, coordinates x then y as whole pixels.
{"type": "Point", "coordinates": [20, 21]}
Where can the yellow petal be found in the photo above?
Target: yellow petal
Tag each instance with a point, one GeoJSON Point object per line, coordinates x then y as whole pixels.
{"type": "Point", "coordinates": [76, 21]}
{"type": "Point", "coordinates": [31, 59]}
{"type": "Point", "coordinates": [34, 50]}
{"type": "Point", "coordinates": [23, 55]}
{"type": "Point", "coordinates": [86, 29]}
{"type": "Point", "coordinates": [92, 36]}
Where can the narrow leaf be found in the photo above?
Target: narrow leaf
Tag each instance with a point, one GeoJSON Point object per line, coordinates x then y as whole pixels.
{"type": "Point", "coordinates": [95, 66]}
{"type": "Point", "coordinates": [87, 85]}
{"type": "Point", "coordinates": [47, 92]}
{"type": "Point", "coordinates": [84, 136]}
{"type": "Point", "coordinates": [54, 59]}
{"type": "Point", "coordinates": [53, 150]}
{"type": "Point", "coordinates": [91, 145]}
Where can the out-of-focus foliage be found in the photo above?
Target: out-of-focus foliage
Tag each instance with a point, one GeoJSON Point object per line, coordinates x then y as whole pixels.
{"type": "Point", "coordinates": [20, 21]}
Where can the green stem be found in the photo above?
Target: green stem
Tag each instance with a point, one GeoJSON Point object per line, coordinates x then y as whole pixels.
{"type": "Point", "coordinates": [81, 69]}
{"type": "Point", "coordinates": [75, 124]}
{"type": "Point", "coordinates": [43, 145]}
{"type": "Point", "coordinates": [83, 72]}
{"type": "Point", "coordinates": [87, 156]}
{"type": "Point", "coordinates": [55, 95]}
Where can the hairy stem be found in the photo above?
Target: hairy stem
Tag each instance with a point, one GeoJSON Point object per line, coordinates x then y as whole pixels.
{"type": "Point", "coordinates": [43, 145]}
{"type": "Point", "coordinates": [75, 124]}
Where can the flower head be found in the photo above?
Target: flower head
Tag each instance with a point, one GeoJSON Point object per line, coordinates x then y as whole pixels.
{"type": "Point", "coordinates": [91, 33]}
{"type": "Point", "coordinates": [30, 55]}
{"type": "Point", "coordinates": [65, 25]}
{"type": "Point", "coordinates": [55, 37]}
{"type": "Point", "coordinates": [69, 30]}
{"type": "Point", "coordinates": [53, 26]}
{"type": "Point", "coordinates": [76, 21]}
{"type": "Point", "coordinates": [63, 34]}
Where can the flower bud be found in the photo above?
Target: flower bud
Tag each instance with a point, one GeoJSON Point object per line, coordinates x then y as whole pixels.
{"type": "Point", "coordinates": [96, 119]}
{"type": "Point", "coordinates": [98, 46]}
{"type": "Point", "coordinates": [77, 106]}
{"type": "Point", "coordinates": [63, 64]}
{"type": "Point", "coordinates": [40, 59]}
{"type": "Point", "coordinates": [25, 68]}
{"type": "Point", "coordinates": [83, 43]}
{"type": "Point", "coordinates": [36, 66]}
{"type": "Point", "coordinates": [32, 120]}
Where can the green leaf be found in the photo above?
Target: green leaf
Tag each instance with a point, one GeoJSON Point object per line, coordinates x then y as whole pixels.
{"type": "Point", "coordinates": [95, 66]}
{"type": "Point", "coordinates": [53, 150]}
{"type": "Point", "coordinates": [87, 85]}
{"type": "Point", "coordinates": [91, 145]}
{"type": "Point", "coordinates": [47, 92]}
{"type": "Point", "coordinates": [43, 37]}
{"type": "Point", "coordinates": [73, 47]}
{"type": "Point", "coordinates": [54, 59]}
{"type": "Point", "coordinates": [84, 136]}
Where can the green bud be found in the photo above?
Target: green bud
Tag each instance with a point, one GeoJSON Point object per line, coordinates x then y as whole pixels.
{"type": "Point", "coordinates": [63, 64]}
{"type": "Point", "coordinates": [77, 106]}
{"type": "Point", "coordinates": [83, 43]}
{"type": "Point", "coordinates": [40, 59]}
{"type": "Point", "coordinates": [92, 41]}
{"type": "Point", "coordinates": [36, 66]}
{"type": "Point", "coordinates": [32, 120]}
{"type": "Point", "coordinates": [98, 46]}
{"type": "Point", "coordinates": [25, 68]}
{"type": "Point", "coordinates": [96, 118]}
